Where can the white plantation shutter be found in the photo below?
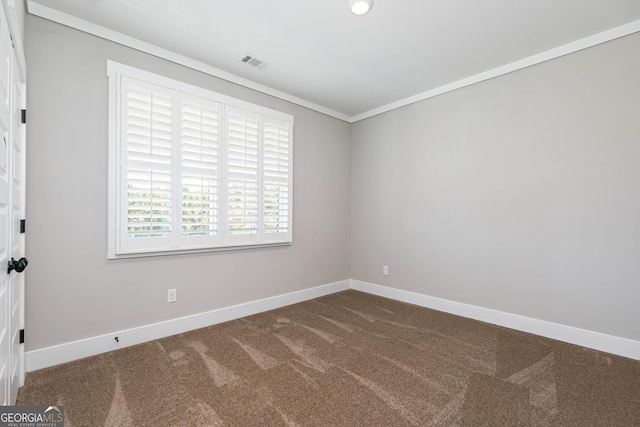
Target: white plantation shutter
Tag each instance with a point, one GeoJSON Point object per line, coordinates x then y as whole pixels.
{"type": "Point", "coordinates": [201, 122]}
{"type": "Point", "coordinates": [277, 179]}
{"type": "Point", "coordinates": [147, 193]}
{"type": "Point", "coordinates": [242, 176]}
{"type": "Point", "coordinates": [259, 178]}
{"type": "Point", "coordinates": [194, 170]}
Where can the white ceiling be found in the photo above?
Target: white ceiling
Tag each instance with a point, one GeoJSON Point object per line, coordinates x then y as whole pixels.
{"type": "Point", "coordinates": [349, 65]}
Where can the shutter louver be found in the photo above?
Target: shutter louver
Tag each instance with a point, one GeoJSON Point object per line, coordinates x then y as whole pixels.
{"type": "Point", "coordinates": [277, 171]}
{"type": "Point", "coordinates": [242, 173]}
{"type": "Point", "coordinates": [148, 132]}
{"type": "Point", "coordinates": [200, 145]}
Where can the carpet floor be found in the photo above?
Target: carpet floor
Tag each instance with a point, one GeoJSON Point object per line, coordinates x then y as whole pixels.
{"type": "Point", "coordinates": [347, 359]}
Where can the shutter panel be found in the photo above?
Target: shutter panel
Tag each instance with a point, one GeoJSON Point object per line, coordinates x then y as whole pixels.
{"type": "Point", "coordinates": [200, 170]}
{"type": "Point", "coordinates": [147, 119]}
{"type": "Point", "coordinates": [242, 176]}
{"type": "Point", "coordinates": [277, 180]}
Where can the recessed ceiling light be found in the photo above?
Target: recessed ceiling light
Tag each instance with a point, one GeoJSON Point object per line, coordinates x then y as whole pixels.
{"type": "Point", "coordinates": [360, 7]}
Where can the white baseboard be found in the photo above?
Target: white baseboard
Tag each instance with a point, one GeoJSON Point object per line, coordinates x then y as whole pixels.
{"type": "Point", "coordinates": [67, 352]}
{"type": "Point", "coordinates": [595, 340]}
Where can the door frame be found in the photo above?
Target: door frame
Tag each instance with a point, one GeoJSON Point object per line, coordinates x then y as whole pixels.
{"type": "Point", "coordinates": [15, 17]}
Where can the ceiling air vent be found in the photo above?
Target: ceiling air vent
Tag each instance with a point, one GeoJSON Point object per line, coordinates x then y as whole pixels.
{"type": "Point", "coordinates": [254, 62]}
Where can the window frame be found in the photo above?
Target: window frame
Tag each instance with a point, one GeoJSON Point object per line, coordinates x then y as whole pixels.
{"type": "Point", "coordinates": [117, 211]}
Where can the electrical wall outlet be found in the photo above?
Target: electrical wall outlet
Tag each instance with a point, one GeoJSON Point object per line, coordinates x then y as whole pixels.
{"type": "Point", "coordinates": [172, 295]}
{"type": "Point", "coordinates": [385, 270]}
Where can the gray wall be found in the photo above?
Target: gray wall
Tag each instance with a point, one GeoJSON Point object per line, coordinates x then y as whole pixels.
{"type": "Point", "coordinates": [72, 290]}
{"type": "Point", "coordinates": [520, 194]}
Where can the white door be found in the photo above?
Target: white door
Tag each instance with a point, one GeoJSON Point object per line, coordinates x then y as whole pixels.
{"type": "Point", "coordinates": [5, 203]}
{"type": "Point", "coordinates": [16, 280]}
{"type": "Point", "coordinates": [12, 172]}
{"type": "Point", "coordinates": [5, 210]}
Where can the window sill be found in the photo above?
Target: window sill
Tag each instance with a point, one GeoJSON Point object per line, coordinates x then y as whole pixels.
{"type": "Point", "coordinates": [163, 252]}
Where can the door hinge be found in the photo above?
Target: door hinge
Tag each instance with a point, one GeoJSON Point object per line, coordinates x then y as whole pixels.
{"type": "Point", "coordinates": [23, 225]}
{"type": "Point", "coordinates": [21, 336]}
{"type": "Point", "coordinates": [24, 116]}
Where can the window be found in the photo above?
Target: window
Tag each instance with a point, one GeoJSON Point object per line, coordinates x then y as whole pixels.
{"type": "Point", "coordinates": [193, 170]}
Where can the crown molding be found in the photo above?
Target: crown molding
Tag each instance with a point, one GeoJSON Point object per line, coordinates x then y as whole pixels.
{"type": "Point", "coordinates": [88, 27]}
{"type": "Point", "coordinates": [587, 42]}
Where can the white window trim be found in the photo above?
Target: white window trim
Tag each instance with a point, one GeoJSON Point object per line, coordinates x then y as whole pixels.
{"type": "Point", "coordinates": [115, 72]}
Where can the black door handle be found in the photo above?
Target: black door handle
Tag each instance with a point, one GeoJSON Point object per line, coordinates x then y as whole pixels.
{"type": "Point", "coordinates": [18, 266]}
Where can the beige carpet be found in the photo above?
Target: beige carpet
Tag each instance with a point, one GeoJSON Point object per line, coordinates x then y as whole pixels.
{"type": "Point", "coordinates": [348, 359]}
